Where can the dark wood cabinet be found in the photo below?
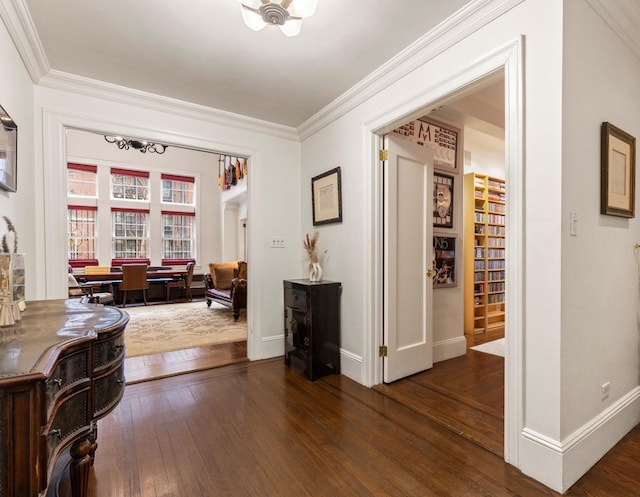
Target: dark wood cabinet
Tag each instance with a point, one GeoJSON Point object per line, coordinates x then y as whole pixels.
{"type": "Point", "coordinates": [61, 369]}
{"type": "Point", "coordinates": [312, 327]}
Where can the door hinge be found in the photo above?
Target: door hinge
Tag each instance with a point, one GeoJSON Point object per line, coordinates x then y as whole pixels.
{"type": "Point", "coordinates": [384, 155]}
{"type": "Point", "coordinates": [382, 351]}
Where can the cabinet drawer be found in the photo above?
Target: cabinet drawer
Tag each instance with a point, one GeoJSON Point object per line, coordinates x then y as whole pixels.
{"type": "Point", "coordinates": [108, 351]}
{"type": "Point", "coordinates": [71, 370]}
{"type": "Point", "coordinates": [71, 417]}
{"type": "Point", "coordinates": [296, 299]}
{"type": "Point", "coordinates": [108, 391]}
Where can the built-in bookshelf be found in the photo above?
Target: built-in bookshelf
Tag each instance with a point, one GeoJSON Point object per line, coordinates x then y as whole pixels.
{"type": "Point", "coordinates": [484, 253]}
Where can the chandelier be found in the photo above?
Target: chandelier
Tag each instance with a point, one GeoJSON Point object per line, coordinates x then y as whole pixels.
{"type": "Point", "coordinates": [286, 14]}
{"type": "Point", "coordinates": [143, 145]}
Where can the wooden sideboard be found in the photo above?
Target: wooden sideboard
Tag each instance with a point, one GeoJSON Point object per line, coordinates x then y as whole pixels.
{"type": "Point", "coordinates": [61, 369]}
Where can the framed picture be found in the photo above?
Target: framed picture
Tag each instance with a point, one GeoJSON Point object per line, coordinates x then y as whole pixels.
{"type": "Point", "coordinates": [617, 172]}
{"type": "Point", "coordinates": [442, 200]}
{"type": "Point", "coordinates": [326, 197]}
{"type": "Point", "coordinates": [8, 152]}
{"type": "Point", "coordinates": [444, 261]}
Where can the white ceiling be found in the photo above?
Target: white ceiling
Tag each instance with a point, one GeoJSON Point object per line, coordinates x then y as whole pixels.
{"type": "Point", "coordinates": [200, 51]}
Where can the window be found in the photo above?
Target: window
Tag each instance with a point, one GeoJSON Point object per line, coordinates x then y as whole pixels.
{"type": "Point", "coordinates": [81, 232]}
{"type": "Point", "coordinates": [129, 185]}
{"type": "Point", "coordinates": [177, 235]}
{"type": "Point", "coordinates": [130, 233]}
{"type": "Point", "coordinates": [177, 189]}
{"type": "Point", "coordinates": [81, 180]}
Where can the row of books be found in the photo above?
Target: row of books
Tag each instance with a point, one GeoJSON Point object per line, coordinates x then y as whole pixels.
{"type": "Point", "coordinates": [496, 287]}
{"type": "Point", "coordinates": [498, 185]}
{"type": "Point", "coordinates": [495, 242]}
{"type": "Point", "coordinates": [478, 252]}
{"type": "Point", "coordinates": [495, 275]}
{"type": "Point", "coordinates": [495, 298]}
{"type": "Point", "coordinates": [496, 253]}
{"type": "Point", "coordinates": [479, 217]}
{"type": "Point", "coordinates": [496, 218]}
{"type": "Point", "coordinates": [496, 230]}
{"type": "Point", "coordinates": [496, 264]}
{"type": "Point", "coordinates": [493, 207]}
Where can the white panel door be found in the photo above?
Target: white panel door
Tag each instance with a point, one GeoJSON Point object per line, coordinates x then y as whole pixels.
{"type": "Point", "coordinates": [408, 240]}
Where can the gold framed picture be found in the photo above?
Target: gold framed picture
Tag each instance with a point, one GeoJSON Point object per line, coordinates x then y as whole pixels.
{"type": "Point", "coordinates": [618, 172]}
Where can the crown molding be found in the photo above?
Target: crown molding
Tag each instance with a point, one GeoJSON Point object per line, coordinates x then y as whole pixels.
{"type": "Point", "coordinates": [463, 23]}
{"type": "Point", "coordinates": [623, 17]}
{"type": "Point", "coordinates": [16, 18]}
{"type": "Point", "coordinates": [72, 83]}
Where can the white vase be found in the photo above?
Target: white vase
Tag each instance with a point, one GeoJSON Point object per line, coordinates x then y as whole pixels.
{"type": "Point", "coordinates": [315, 272]}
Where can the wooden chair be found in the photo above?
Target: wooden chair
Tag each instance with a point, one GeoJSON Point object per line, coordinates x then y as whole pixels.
{"type": "Point", "coordinates": [184, 282]}
{"type": "Point", "coordinates": [134, 277]}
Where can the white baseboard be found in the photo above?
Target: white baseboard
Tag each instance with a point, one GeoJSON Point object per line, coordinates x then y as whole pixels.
{"type": "Point", "coordinates": [560, 464]}
{"type": "Point", "coordinates": [448, 349]}
{"type": "Point", "coordinates": [272, 346]}
{"type": "Point", "coordinates": [351, 366]}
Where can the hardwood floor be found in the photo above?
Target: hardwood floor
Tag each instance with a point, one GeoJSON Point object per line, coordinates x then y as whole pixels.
{"type": "Point", "coordinates": [155, 366]}
{"type": "Point", "coordinates": [258, 429]}
{"type": "Point", "coordinates": [464, 394]}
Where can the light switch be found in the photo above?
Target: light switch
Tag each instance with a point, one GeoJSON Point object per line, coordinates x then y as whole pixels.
{"type": "Point", "coordinates": [277, 242]}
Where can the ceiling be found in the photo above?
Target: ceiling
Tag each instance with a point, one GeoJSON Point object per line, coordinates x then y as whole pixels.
{"type": "Point", "coordinates": [204, 54]}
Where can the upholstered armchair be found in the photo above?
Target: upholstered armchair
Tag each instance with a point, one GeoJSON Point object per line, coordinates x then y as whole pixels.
{"type": "Point", "coordinates": [226, 284]}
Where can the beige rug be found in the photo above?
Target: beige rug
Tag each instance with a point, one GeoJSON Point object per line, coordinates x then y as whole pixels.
{"type": "Point", "coordinates": [163, 328]}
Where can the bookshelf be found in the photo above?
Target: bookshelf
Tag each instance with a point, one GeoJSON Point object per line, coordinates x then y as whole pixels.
{"type": "Point", "coordinates": [484, 253]}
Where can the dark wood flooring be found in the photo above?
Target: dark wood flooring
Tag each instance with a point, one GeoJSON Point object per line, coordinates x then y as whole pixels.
{"type": "Point", "coordinates": [258, 429]}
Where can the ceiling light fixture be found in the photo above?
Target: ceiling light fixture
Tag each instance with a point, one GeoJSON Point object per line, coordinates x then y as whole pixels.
{"type": "Point", "coordinates": [143, 145]}
{"type": "Point", "coordinates": [286, 14]}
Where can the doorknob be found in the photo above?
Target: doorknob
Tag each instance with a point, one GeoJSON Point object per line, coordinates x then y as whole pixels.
{"type": "Point", "coordinates": [430, 273]}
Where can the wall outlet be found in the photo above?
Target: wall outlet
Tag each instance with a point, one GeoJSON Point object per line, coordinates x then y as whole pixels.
{"type": "Point", "coordinates": [277, 242]}
{"type": "Point", "coordinates": [604, 391]}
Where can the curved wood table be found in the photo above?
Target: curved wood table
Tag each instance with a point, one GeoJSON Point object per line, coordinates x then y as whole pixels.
{"type": "Point", "coordinates": [61, 369]}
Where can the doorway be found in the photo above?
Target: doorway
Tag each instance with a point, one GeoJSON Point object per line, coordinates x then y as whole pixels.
{"type": "Point", "coordinates": [180, 213]}
{"type": "Point", "coordinates": [508, 64]}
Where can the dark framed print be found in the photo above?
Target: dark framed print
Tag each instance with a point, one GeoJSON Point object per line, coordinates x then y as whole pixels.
{"type": "Point", "coordinates": [444, 261]}
{"type": "Point", "coordinates": [617, 172]}
{"type": "Point", "coordinates": [326, 197]}
{"type": "Point", "coordinates": [8, 152]}
{"type": "Point", "coordinates": [442, 200]}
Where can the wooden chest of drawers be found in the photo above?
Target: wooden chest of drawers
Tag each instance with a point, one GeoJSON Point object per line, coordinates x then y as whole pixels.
{"type": "Point", "coordinates": [61, 369]}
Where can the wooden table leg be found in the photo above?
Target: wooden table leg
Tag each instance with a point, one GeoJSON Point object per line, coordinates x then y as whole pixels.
{"type": "Point", "coordinates": [79, 468]}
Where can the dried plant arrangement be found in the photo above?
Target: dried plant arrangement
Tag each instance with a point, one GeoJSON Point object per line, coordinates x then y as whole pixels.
{"type": "Point", "coordinates": [10, 238]}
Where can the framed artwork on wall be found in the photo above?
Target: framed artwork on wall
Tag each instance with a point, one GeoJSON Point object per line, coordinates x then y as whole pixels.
{"type": "Point", "coordinates": [444, 261]}
{"type": "Point", "coordinates": [442, 138]}
{"type": "Point", "coordinates": [617, 172]}
{"type": "Point", "coordinates": [8, 152]}
{"type": "Point", "coordinates": [326, 197]}
{"type": "Point", "coordinates": [442, 200]}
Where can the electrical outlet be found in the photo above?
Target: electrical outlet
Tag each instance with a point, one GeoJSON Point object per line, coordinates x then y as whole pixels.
{"type": "Point", "coordinates": [277, 242]}
{"type": "Point", "coordinates": [604, 391]}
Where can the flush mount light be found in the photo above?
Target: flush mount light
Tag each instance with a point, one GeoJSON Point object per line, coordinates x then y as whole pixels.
{"type": "Point", "coordinates": [143, 145]}
{"type": "Point", "coordinates": [286, 14]}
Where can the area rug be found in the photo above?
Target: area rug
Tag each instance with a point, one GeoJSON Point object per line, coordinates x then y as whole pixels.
{"type": "Point", "coordinates": [154, 329]}
{"type": "Point", "coordinates": [495, 347]}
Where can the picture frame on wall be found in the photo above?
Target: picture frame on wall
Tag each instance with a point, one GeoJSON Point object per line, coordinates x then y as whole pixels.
{"type": "Point", "coordinates": [326, 197]}
{"type": "Point", "coordinates": [444, 260]}
{"type": "Point", "coordinates": [8, 152]}
{"type": "Point", "coordinates": [442, 200]}
{"type": "Point", "coordinates": [618, 172]}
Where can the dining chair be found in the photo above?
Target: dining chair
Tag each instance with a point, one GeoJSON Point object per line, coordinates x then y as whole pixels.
{"type": "Point", "coordinates": [184, 282]}
{"type": "Point", "coordinates": [134, 277]}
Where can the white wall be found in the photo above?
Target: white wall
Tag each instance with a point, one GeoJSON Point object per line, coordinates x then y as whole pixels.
{"type": "Point", "coordinates": [273, 176]}
{"type": "Point", "coordinates": [16, 97]}
{"type": "Point", "coordinates": [600, 287]}
{"type": "Point", "coordinates": [486, 153]}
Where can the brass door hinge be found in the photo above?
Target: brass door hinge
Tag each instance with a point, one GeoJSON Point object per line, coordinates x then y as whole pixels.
{"type": "Point", "coordinates": [382, 351]}
{"type": "Point", "coordinates": [384, 155]}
